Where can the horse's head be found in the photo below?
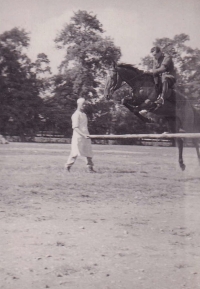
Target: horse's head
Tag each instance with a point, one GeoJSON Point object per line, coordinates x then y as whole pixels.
{"type": "Point", "coordinates": [113, 82]}
{"type": "Point", "coordinates": [134, 77]}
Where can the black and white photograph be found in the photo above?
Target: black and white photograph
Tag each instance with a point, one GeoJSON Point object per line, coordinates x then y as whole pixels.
{"type": "Point", "coordinates": [99, 144]}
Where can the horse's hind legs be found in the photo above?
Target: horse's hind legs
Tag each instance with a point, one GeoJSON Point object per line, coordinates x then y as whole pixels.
{"type": "Point", "coordinates": [180, 150]}
{"type": "Point", "coordinates": [196, 144]}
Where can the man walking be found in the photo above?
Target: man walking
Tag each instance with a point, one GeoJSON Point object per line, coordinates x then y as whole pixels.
{"type": "Point", "coordinates": [81, 142]}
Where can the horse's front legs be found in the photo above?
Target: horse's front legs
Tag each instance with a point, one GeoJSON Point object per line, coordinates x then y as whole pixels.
{"type": "Point", "coordinates": [136, 111]}
{"type": "Point", "coordinates": [180, 150]}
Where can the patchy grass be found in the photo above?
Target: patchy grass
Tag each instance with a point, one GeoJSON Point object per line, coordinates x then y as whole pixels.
{"type": "Point", "coordinates": [135, 223]}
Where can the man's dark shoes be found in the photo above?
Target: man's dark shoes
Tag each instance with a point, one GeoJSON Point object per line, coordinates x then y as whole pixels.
{"type": "Point", "coordinates": [67, 168]}
{"type": "Point", "coordinates": [91, 170]}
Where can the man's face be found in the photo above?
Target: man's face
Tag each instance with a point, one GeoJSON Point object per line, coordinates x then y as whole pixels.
{"type": "Point", "coordinates": [155, 54]}
{"type": "Point", "coordinates": [84, 106]}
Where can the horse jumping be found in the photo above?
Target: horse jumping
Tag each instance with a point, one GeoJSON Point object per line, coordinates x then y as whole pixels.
{"type": "Point", "coordinates": [177, 109]}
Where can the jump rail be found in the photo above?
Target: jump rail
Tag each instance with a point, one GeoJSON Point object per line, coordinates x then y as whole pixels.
{"type": "Point", "coordinates": [138, 136]}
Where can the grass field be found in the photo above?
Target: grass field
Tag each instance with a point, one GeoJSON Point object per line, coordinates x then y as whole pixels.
{"type": "Point", "coordinates": [133, 224]}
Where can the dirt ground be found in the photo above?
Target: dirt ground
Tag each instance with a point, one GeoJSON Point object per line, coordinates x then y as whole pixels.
{"type": "Point", "coordinates": [133, 224]}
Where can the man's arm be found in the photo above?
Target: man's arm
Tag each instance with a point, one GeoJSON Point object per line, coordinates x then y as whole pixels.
{"type": "Point", "coordinates": [164, 65]}
{"type": "Point", "coordinates": [81, 133]}
{"type": "Point", "coordinates": [75, 125]}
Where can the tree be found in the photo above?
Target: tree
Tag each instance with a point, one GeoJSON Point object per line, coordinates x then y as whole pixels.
{"type": "Point", "coordinates": [41, 69]}
{"type": "Point", "coordinates": [88, 54]}
{"type": "Point", "coordinates": [83, 69]}
{"type": "Point", "coordinates": [20, 103]}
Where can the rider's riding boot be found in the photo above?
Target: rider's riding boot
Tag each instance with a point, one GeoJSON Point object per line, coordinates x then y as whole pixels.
{"type": "Point", "coordinates": [161, 99]}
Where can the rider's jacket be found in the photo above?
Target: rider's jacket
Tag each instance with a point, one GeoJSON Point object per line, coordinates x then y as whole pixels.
{"type": "Point", "coordinates": [164, 67]}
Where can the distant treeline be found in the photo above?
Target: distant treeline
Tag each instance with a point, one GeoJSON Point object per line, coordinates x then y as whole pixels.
{"type": "Point", "coordinates": [33, 100]}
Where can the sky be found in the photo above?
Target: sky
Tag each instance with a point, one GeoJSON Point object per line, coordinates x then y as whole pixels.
{"type": "Point", "coordinates": [132, 24]}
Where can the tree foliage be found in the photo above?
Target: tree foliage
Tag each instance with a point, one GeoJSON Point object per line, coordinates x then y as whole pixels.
{"type": "Point", "coordinates": [20, 102]}
{"type": "Point", "coordinates": [84, 44]}
{"type": "Point", "coordinates": [83, 69]}
{"type": "Point", "coordinates": [88, 54]}
{"type": "Point", "coordinates": [31, 100]}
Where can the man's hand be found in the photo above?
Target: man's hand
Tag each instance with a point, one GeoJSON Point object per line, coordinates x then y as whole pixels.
{"type": "Point", "coordinates": [159, 70]}
{"type": "Point", "coordinates": [147, 72]}
{"type": "Point", "coordinates": [87, 136]}
{"type": "Point", "coordinates": [81, 133]}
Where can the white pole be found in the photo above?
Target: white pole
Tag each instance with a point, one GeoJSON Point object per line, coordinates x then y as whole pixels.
{"type": "Point", "coordinates": [159, 136]}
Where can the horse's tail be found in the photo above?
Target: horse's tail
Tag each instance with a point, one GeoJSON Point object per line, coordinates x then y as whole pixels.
{"type": "Point", "coordinates": [196, 119]}
{"type": "Point", "coordinates": [186, 112]}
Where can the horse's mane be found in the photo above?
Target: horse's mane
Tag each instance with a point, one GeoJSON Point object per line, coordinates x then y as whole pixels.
{"type": "Point", "coordinates": [129, 66]}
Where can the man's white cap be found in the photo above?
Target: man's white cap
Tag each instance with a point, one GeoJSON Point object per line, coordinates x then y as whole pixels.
{"type": "Point", "coordinates": [80, 101]}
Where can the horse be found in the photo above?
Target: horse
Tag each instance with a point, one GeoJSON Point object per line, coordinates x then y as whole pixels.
{"type": "Point", "coordinates": [177, 110]}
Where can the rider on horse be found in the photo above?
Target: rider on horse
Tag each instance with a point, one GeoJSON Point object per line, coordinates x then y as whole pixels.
{"type": "Point", "coordinates": [164, 74]}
